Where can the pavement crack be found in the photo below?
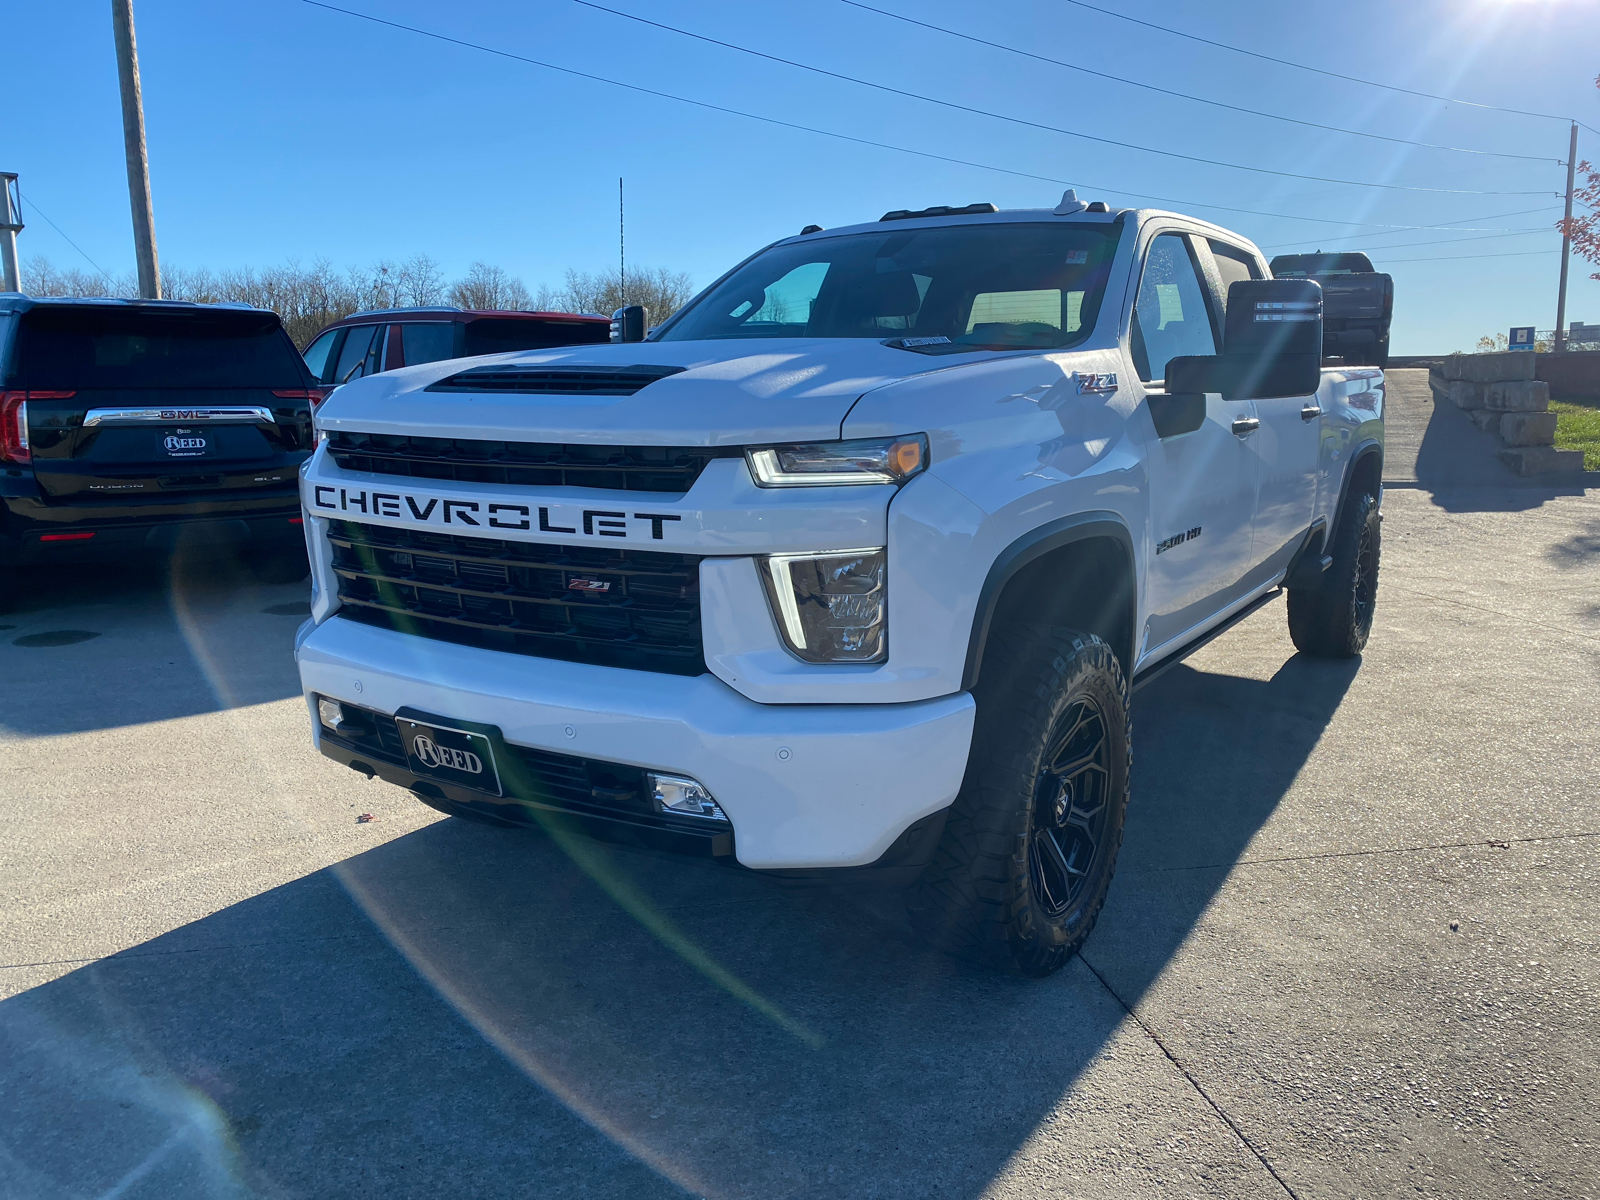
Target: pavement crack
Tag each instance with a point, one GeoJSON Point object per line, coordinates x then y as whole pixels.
{"type": "Point", "coordinates": [1496, 843]}
{"type": "Point", "coordinates": [1193, 1082]}
{"type": "Point", "coordinates": [1494, 612]}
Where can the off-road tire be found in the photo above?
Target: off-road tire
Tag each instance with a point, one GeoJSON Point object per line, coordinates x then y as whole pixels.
{"type": "Point", "coordinates": [279, 566]}
{"type": "Point", "coordinates": [982, 896]}
{"type": "Point", "coordinates": [1334, 619]}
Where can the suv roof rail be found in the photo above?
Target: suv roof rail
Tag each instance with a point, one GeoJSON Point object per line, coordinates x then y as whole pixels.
{"type": "Point", "coordinates": [415, 308]}
{"type": "Point", "coordinates": [938, 210]}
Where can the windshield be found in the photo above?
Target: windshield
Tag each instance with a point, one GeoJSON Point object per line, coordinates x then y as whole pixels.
{"type": "Point", "coordinates": [996, 287]}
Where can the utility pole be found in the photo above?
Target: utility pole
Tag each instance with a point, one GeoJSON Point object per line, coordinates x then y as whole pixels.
{"type": "Point", "coordinates": [1566, 246]}
{"type": "Point", "coordinates": [10, 226]}
{"type": "Point", "coordinates": [144, 222]}
{"type": "Point", "coordinates": [622, 244]}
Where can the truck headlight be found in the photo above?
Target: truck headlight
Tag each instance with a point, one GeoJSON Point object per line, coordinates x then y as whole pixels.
{"type": "Point", "coordinates": [825, 464]}
{"type": "Point", "coordinates": [833, 607]}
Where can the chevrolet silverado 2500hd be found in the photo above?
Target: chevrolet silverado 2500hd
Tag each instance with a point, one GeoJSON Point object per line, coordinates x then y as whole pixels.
{"type": "Point", "coordinates": [851, 566]}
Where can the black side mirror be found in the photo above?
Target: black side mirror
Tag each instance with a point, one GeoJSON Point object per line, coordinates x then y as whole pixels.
{"type": "Point", "coordinates": [628, 324]}
{"type": "Point", "coordinates": [1272, 344]}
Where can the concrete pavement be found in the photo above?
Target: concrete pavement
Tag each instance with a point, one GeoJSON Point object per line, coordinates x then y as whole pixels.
{"type": "Point", "coordinates": [1353, 947]}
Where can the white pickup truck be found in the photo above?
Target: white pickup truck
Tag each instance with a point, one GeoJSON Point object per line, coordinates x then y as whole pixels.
{"type": "Point", "coordinates": [849, 568]}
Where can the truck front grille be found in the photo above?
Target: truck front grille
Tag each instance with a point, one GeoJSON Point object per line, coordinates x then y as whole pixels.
{"type": "Point", "coordinates": [526, 464]}
{"type": "Point", "coordinates": [638, 609]}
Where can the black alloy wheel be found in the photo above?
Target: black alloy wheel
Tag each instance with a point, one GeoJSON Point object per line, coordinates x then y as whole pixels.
{"type": "Point", "coordinates": [1029, 846]}
{"type": "Point", "coordinates": [1334, 618]}
{"type": "Point", "coordinates": [1070, 812]}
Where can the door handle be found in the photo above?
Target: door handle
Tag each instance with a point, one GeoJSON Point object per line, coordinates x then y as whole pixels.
{"type": "Point", "coordinates": [1310, 412]}
{"type": "Point", "coordinates": [1244, 425]}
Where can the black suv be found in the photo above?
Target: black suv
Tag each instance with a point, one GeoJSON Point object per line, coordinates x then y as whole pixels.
{"type": "Point", "coordinates": [131, 427]}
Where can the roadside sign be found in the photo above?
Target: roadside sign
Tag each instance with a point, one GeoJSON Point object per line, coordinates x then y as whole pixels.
{"type": "Point", "coordinates": [1522, 337]}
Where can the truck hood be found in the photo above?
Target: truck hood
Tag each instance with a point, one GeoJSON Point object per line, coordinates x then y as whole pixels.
{"type": "Point", "coordinates": [729, 394]}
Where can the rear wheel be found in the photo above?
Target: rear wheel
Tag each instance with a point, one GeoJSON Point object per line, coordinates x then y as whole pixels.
{"type": "Point", "coordinates": [1334, 619]}
{"type": "Point", "coordinates": [1030, 844]}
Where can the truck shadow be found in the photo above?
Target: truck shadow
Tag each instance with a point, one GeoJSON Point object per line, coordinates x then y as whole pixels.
{"type": "Point", "coordinates": [467, 1011]}
{"type": "Point", "coordinates": [101, 646]}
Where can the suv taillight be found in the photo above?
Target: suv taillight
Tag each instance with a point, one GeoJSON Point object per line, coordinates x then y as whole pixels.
{"type": "Point", "coordinates": [315, 395]}
{"type": "Point", "coordinates": [14, 422]}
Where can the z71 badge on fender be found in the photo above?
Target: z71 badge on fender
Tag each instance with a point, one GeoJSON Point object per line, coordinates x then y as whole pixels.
{"type": "Point", "coordinates": [596, 522]}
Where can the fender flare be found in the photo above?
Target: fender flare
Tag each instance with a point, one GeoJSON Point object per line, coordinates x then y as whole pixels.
{"type": "Point", "coordinates": [1031, 546]}
{"type": "Point", "coordinates": [1367, 449]}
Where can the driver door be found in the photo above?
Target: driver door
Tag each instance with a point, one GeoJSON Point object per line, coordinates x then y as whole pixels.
{"type": "Point", "coordinates": [1203, 480]}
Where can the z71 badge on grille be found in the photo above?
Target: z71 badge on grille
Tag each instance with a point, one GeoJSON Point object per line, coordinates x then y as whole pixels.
{"type": "Point", "coordinates": [589, 585]}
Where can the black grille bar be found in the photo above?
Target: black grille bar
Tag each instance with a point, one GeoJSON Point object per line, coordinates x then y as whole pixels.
{"type": "Point", "coordinates": [526, 464]}
{"type": "Point", "coordinates": [638, 609]}
{"type": "Point", "coordinates": [555, 381]}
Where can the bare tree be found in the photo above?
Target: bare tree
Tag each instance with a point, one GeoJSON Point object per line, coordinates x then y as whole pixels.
{"type": "Point", "coordinates": [661, 291]}
{"type": "Point", "coordinates": [308, 299]}
{"type": "Point", "coordinates": [485, 286]}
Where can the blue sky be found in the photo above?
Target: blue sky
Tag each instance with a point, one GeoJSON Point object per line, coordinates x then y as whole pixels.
{"type": "Point", "coordinates": [280, 130]}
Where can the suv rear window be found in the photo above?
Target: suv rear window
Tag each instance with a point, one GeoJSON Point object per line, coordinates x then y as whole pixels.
{"type": "Point", "coordinates": [71, 348]}
{"type": "Point", "coordinates": [495, 335]}
{"type": "Point", "coordinates": [1321, 264]}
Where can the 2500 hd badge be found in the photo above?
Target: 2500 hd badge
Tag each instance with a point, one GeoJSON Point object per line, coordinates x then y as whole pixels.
{"type": "Point", "coordinates": [595, 521]}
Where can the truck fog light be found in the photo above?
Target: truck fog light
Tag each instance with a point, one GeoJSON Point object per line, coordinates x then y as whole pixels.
{"type": "Point", "coordinates": [831, 607]}
{"type": "Point", "coordinates": [330, 712]}
{"type": "Point", "coordinates": [684, 797]}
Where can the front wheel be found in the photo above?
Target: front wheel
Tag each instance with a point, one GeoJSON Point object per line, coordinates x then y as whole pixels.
{"type": "Point", "coordinates": [1030, 844]}
{"type": "Point", "coordinates": [1334, 619]}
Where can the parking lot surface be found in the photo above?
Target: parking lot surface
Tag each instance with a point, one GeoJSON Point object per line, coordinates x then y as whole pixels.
{"type": "Point", "coordinates": [1352, 950]}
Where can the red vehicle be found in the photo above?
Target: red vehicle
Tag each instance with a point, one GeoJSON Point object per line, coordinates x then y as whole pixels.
{"type": "Point", "coordinates": [366, 343]}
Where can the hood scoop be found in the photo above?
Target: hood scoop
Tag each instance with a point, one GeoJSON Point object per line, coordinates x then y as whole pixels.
{"type": "Point", "coordinates": [555, 380]}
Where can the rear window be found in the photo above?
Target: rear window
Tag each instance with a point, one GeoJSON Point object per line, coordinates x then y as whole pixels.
{"type": "Point", "coordinates": [73, 348]}
{"type": "Point", "coordinates": [493, 335]}
{"type": "Point", "coordinates": [1290, 265]}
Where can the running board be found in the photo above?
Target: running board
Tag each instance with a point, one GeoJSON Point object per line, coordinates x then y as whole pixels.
{"type": "Point", "coordinates": [1155, 670]}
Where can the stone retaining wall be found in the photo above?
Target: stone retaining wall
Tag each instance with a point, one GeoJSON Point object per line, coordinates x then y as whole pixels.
{"type": "Point", "coordinates": [1507, 394]}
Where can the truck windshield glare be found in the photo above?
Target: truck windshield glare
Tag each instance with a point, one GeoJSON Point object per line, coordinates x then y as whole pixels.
{"type": "Point", "coordinates": [995, 287]}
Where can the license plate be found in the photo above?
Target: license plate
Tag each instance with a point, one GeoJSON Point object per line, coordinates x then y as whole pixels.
{"type": "Point", "coordinates": [186, 443]}
{"type": "Point", "coordinates": [456, 756]}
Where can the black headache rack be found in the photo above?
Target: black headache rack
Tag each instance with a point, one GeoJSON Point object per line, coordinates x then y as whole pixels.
{"type": "Point", "coordinates": [637, 609]}
{"type": "Point", "coordinates": [526, 464]}
{"type": "Point", "coordinates": [611, 801]}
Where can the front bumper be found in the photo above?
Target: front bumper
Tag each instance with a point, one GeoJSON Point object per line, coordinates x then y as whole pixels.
{"type": "Point", "coordinates": [804, 785]}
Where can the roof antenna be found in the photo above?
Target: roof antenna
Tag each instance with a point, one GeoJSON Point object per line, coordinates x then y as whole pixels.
{"type": "Point", "coordinates": [1069, 203]}
{"type": "Point", "coordinates": [622, 245]}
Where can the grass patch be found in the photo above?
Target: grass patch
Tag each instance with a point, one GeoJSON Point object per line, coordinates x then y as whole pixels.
{"type": "Point", "coordinates": [1578, 428]}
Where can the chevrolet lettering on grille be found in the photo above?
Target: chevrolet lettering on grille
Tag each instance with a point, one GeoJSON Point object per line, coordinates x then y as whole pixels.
{"type": "Point", "coordinates": [436, 510]}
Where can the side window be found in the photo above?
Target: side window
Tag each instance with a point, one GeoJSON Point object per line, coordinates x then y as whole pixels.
{"type": "Point", "coordinates": [316, 355]}
{"type": "Point", "coordinates": [1169, 317]}
{"type": "Point", "coordinates": [359, 354]}
{"type": "Point", "coordinates": [429, 342]}
{"type": "Point", "coordinates": [1233, 265]}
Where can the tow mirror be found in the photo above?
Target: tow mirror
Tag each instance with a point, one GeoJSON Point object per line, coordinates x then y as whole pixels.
{"type": "Point", "coordinates": [1272, 344]}
{"type": "Point", "coordinates": [628, 324]}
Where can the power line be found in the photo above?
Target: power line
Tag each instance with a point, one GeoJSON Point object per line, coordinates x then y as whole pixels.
{"type": "Point", "coordinates": [983, 112]}
{"type": "Point", "coordinates": [1343, 223]}
{"type": "Point", "coordinates": [1284, 62]}
{"type": "Point", "coordinates": [65, 238]}
{"type": "Point", "coordinates": [1482, 237]}
{"type": "Point", "coordinates": [1442, 227]}
{"type": "Point", "coordinates": [1044, 58]}
{"type": "Point", "coordinates": [1464, 257]}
